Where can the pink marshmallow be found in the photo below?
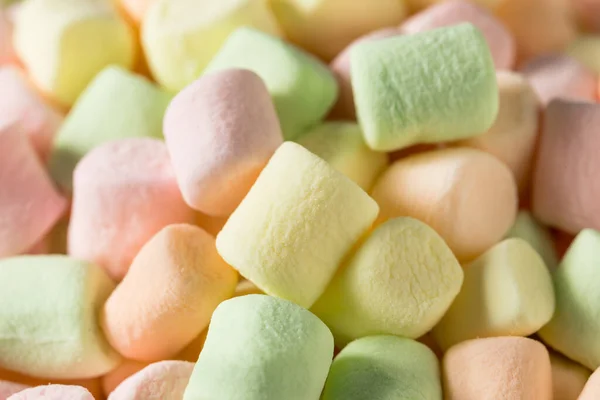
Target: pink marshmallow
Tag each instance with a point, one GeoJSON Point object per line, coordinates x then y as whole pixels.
{"type": "Point", "coordinates": [53, 392]}
{"type": "Point", "coordinates": [500, 40]}
{"type": "Point", "coordinates": [221, 130]}
{"type": "Point", "coordinates": [566, 185]}
{"type": "Point", "coordinates": [165, 380]}
{"type": "Point", "coordinates": [124, 192]}
{"type": "Point", "coordinates": [29, 203]}
{"type": "Point", "coordinates": [556, 76]}
{"type": "Point", "coordinates": [21, 105]}
{"type": "Point", "coordinates": [7, 389]}
{"type": "Point", "coordinates": [7, 52]}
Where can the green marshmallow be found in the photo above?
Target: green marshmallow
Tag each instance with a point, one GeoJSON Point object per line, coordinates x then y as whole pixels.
{"type": "Point", "coordinates": [262, 348]}
{"type": "Point", "coordinates": [341, 144]}
{"type": "Point", "coordinates": [574, 330]}
{"type": "Point", "coordinates": [302, 87]}
{"type": "Point", "coordinates": [117, 104]}
{"type": "Point", "coordinates": [436, 86]}
{"type": "Point", "coordinates": [384, 368]}
{"type": "Point", "coordinates": [526, 227]}
{"type": "Point", "coordinates": [48, 317]}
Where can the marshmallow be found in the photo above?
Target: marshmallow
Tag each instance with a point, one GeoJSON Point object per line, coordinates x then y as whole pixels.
{"type": "Point", "coordinates": [513, 136]}
{"type": "Point", "coordinates": [499, 39]}
{"type": "Point", "coordinates": [497, 368]}
{"type": "Point", "coordinates": [586, 49]}
{"type": "Point", "coordinates": [384, 367]}
{"type": "Point", "coordinates": [167, 297]}
{"type": "Point", "coordinates": [399, 281]}
{"type": "Point", "coordinates": [9, 388]}
{"type": "Point", "coordinates": [588, 13]}
{"type": "Point", "coordinates": [165, 380]}
{"type": "Point", "coordinates": [53, 392]}
{"type": "Point", "coordinates": [292, 230]}
{"type": "Point", "coordinates": [399, 102]}
{"type": "Point", "coordinates": [325, 27]}
{"type": "Point", "coordinates": [114, 378]}
{"type": "Point", "coordinates": [574, 328]}
{"type": "Point", "coordinates": [341, 144]}
{"type": "Point", "coordinates": [468, 196]}
{"type": "Point", "coordinates": [302, 87]}
{"type": "Point", "coordinates": [228, 119]}
{"type": "Point", "coordinates": [202, 26]}
{"type": "Point", "coordinates": [7, 52]}
{"type": "Point", "coordinates": [565, 192]}
{"type": "Point", "coordinates": [262, 348]}
{"type": "Point", "coordinates": [123, 186]}
{"type": "Point", "coordinates": [506, 292]}
{"type": "Point", "coordinates": [135, 10]}
{"type": "Point", "coordinates": [420, 4]}
{"type": "Point", "coordinates": [65, 43]}
{"type": "Point", "coordinates": [22, 106]}
{"type": "Point", "coordinates": [93, 385]}
{"type": "Point", "coordinates": [568, 377]}
{"type": "Point", "coordinates": [29, 204]}
{"type": "Point", "coordinates": [48, 324]}
{"type": "Point", "coordinates": [526, 227]}
{"type": "Point", "coordinates": [591, 390]}
{"type": "Point", "coordinates": [553, 76]}
{"type": "Point", "coordinates": [116, 105]}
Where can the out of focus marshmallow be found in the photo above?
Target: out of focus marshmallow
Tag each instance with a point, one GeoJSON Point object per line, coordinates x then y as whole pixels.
{"type": "Point", "coordinates": [7, 52]}
{"type": "Point", "coordinates": [421, 4]}
{"type": "Point", "coordinates": [568, 377]}
{"type": "Point", "coordinates": [135, 9]}
{"type": "Point", "coordinates": [221, 131]}
{"type": "Point", "coordinates": [125, 186]}
{"type": "Point", "coordinates": [586, 49]}
{"type": "Point", "coordinates": [53, 392]}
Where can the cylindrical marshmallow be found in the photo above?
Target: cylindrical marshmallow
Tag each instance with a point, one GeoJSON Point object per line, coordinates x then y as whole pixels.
{"type": "Point", "coordinates": [262, 348]}
{"type": "Point", "coordinates": [53, 392]}
{"type": "Point", "coordinates": [291, 232]}
{"type": "Point", "coordinates": [221, 131]}
{"type": "Point", "coordinates": [468, 196]}
{"type": "Point", "coordinates": [568, 378]}
{"type": "Point", "coordinates": [124, 192]}
{"type": "Point", "coordinates": [168, 295]}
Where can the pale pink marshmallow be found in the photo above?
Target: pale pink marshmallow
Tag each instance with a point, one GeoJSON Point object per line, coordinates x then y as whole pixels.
{"type": "Point", "coordinates": [344, 107]}
{"type": "Point", "coordinates": [221, 130]}
{"type": "Point", "coordinates": [22, 105]}
{"type": "Point", "coordinates": [29, 203]}
{"type": "Point", "coordinates": [500, 41]}
{"type": "Point", "coordinates": [7, 52]}
{"type": "Point", "coordinates": [591, 390]}
{"type": "Point", "coordinates": [124, 192]}
{"type": "Point", "coordinates": [560, 76]}
{"type": "Point", "coordinates": [9, 388]}
{"type": "Point", "coordinates": [566, 184]}
{"type": "Point", "coordinates": [164, 380]}
{"type": "Point", "coordinates": [53, 392]}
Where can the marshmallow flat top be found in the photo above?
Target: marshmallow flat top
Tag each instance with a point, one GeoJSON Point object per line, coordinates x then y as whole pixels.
{"type": "Point", "coordinates": [203, 25]}
{"type": "Point", "coordinates": [408, 92]}
{"type": "Point", "coordinates": [165, 380]}
{"type": "Point", "coordinates": [384, 368]}
{"type": "Point", "coordinates": [553, 76]}
{"type": "Point", "coordinates": [591, 390]}
{"type": "Point", "coordinates": [116, 105]}
{"type": "Point", "coordinates": [568, 378]}
{"type": "Point", "coordinates": [497, 368]}
{"type": "Point", "coordinates": [468, 196]}
{"type": "Point", "coordinates": [53, 392]}
{"type": "Point", "coordinates": [341, 144]}
{"type": "Point", "coordinates": [221, 131]}
{"type": "Point", "coordinates": [529, 229]}
{"type": "Point", "coordinates": [48, 324]}
{"type": "Point", "coordinates": [574, 328]}
{"type": "Point", "coordinates": [111, 380]}
{"type": "Point", "coordinates": [65, 43]}
{"type": "Point", "coordinates": [262, 348]}
{"type": "Point", "coordinates": [292, 230]}
{"type": "Point", "coordinates": [9, 388]}
{"type": "Point", "coordinates": [400, 281]}
{"type": "Point", "coordinates": [302, 87]}
{"type": "Point", "coordinates": [499, 39]}
{"type": "Point", "coordinates": [506, 292]}
{"type": "Point", "coordinates": [168, 295]}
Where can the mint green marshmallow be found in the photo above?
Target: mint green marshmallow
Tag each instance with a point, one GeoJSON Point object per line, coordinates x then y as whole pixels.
{"type": "Point", "coordinates": [49, 309]}
{"type": "Point", "coordinates": [526, 227]}
{"type": "Point", "coordinates": [117, 104]}
{"type": "Point", "coordinates": [302, 87]}
{"type": "Point", "coordinates": [430, 87]}
{"type": "Point", "coordinates": [574, 330]}
{"type": "Point", "coordinates": [262, 348]}
{"type": "Point", "coordinates": [384, 368]}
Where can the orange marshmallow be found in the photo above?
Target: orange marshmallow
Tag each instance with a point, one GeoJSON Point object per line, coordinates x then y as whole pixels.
{"type": "Point", "coordinates": [114, 378]}
{"type": "Point", "coordinates": [124, 192]}
{"type": "Point", "coordinates": [168, 296]}
{"type": "Point", "coordinates": [591, 391]}
{"type": "Point", "coordinates": [191, 352]}
{"type": "Point", "coordinates": [508, 368]}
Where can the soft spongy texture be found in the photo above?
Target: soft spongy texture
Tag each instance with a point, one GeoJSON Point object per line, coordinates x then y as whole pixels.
{"type": "Point", "coordinates": [384, 368]}
{"type": "Point", "coordinates": [429, 87]}
{"type": "Point", "coordinates": [48, 318]}
{"type": "Point", "coordinates": [262, 348]}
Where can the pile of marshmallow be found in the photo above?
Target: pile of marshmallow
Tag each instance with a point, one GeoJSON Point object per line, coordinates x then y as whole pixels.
{"type": "Point", "coordinates": [299, 200]}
